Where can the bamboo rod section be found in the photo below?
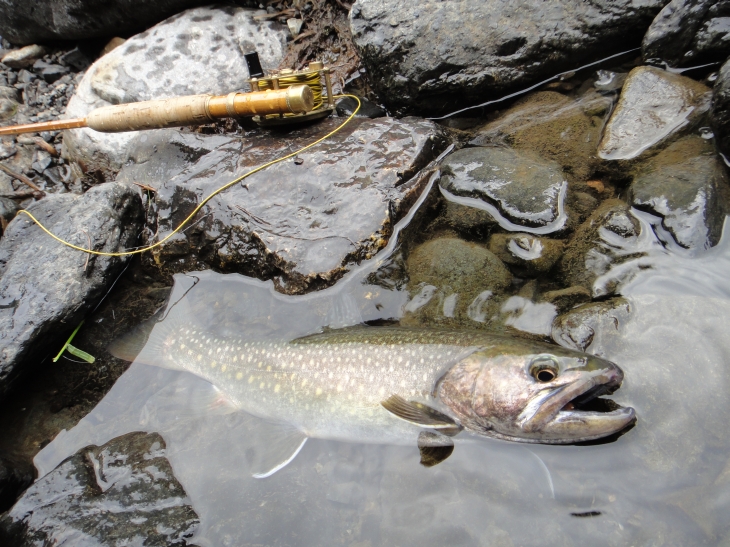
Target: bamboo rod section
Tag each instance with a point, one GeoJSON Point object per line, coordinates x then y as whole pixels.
{"type": "Point", "coordinates": [181, 111]}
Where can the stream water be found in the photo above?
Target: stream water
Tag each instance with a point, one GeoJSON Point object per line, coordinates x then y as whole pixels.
{"type": "Point", "coordinates": [665, 482]}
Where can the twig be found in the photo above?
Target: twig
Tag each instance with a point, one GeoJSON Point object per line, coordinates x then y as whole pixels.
{"type": "Point", "coordinates": [87, 254]}
{"type": "Point", "coordinates": [146, 187]}
{"type": "Point", "coordinates": [40, 143]}
{"type": "Point", "coordinates": [19, 195]}
{"type": "Point", "coordinates": [22, 178]}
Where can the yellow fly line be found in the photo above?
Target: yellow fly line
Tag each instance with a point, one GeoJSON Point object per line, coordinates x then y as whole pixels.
{"type": "Point", "coordinates": [206, 200]}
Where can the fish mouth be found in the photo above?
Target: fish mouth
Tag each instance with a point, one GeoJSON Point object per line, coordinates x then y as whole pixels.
{"type": "Point", "coordinates": [575, 412]}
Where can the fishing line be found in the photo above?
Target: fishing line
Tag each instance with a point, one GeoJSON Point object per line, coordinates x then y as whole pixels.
{"type": "Point", "coordinates": [523, 91]}
{"type": "Point", "coordinates": [207, 199]}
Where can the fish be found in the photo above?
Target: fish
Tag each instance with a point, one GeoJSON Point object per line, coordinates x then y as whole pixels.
{"type": "Point", "coordinates": [394, 385]}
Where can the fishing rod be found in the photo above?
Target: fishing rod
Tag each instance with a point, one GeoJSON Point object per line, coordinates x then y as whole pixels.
{"type": "Point", "coordinates": [280, 98]}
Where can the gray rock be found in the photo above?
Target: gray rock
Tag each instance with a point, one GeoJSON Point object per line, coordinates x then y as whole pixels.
{"type": "Point", "coordinates": [435, 56]}
{"type": "Point", "coordinates": [8, 210]}
{"type": "Point", "coordinates": [198, 51]}
{"type": "Point", "coordinates": [453, 282]}
{"type": "Point", "coordinates": [607, 237]}
{"type": "Point", "coordinates": [24, 22]}
{"type": "Point", "coordinates": [579, 327]}
{"type": "Point", "coordinates": [517, 190]}
{"type": "Point", "coordinates": [8, 109]}
{"type": "Point", "coordinates": [689, 32]}
{"type": "Point", "coordinates": [654, 106]}
{"type": "Point", "coordinates": [685, 189]}
{"type": "Point", "coordinates": [23, 57]}
{"type": "Point", "coordinates": [368, 109]}
{"type": "Point", "coordinates": [46, 288]}
{"type": "Point", "coordinates": [720, 110]}
{"type": "Point", "coordinates": [121, 493]}
{"type": "Point", "coordinates": [566, 299]}
{"type": "Point", "coordinates": [304, 221]}
{"type": "Point", "coordinates": [526, 254]}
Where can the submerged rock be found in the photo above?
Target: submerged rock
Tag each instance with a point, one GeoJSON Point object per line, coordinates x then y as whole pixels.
{"type": "Point", "coordinates": [198, 51]}
{"type": "Point", "coordinates": [685, 186]}
{"type": "Point", "coordinates": [526, 254]}
{"type": "Point", "coordinates": [28, 22]}
{"type": "Point", "coordinates": [720, 110]}
{"type": "Point", "coordinates": [14, 479]}
{"type": "Point", "coordinates": [46, 288]}
{"type": "Point", "coordinates": [654, 105]}
{"type": "Point", "coordinates": [607, 237]}
{"type": "Point", "coordinates": [517, 190]}
{"type": "Point", "coordinates": [121, 493]}
{"type": "Point", "coordinates": [578, 328]}
{"type": "Point", "coordinates": [556, 127]}
{"type": "Point", "coordinates": [436, 56]}
{"type": "Point", "coordinates": [304, 221]}
{"type": "Point", "coordinates": [689, 32]}
{"type": "Point", "coordinates": [453, 281]}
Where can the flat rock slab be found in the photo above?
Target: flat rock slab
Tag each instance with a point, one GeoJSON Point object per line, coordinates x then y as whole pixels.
{"type": "Point", "coordinates": [720, 110]}
{"type": "Point", "coordinates": [687, 190]}
{"type": "Point", "coordinates": [689, 32]}
{"type": "Point", "coordinates": [304, 221]}
{"type": "Point", "coordinates": [434, 56]}
{"type": "Point", "coordinates": [121, 493]}
{"type": "Point", "coordinates": [198, 51]}
{"type": "Point", "coordinates": [46, 288]}
{"type": "Point", "coordinates": [519, 189]}
{"type": "Point", "coordinates": [654, 105]}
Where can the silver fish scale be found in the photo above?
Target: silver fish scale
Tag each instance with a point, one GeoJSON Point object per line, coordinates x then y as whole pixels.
{"type": "Point", "coordinates": [312, 382]}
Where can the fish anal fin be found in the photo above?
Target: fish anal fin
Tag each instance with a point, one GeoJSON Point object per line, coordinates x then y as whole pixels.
{"type": "Point", "coordinates": [276, 445]}
{"type": "Point", "coordinates": [419, 414]}
{"type": "Point", "coordinates": [434, 448]}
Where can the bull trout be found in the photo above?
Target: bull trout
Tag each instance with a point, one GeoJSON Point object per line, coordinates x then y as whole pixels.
{"type": "Point", "coordinates": [396, 385]}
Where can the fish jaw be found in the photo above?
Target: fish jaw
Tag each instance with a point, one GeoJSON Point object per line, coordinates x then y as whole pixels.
{"type": "Point", "coordinates": [497, 396]}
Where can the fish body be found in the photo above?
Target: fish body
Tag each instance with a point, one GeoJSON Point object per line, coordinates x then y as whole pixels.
{"type": "Point", "coordinates": [401, 385]}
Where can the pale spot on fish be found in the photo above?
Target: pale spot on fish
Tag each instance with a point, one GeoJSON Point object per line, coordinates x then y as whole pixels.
{"type": "Point", "coordinates": [251, 379]}
{"type": "Point", "coordinates": [318, 392]}
{"type": "Point", "coordinates": [223, 368]}
{"type": "Point", "coordinates": [261, 385]}
{"type": "Point", "coordinates": [239, 375]}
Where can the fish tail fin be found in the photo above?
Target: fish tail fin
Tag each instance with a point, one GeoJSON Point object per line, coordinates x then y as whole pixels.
{"type": "Point", "coordinates": [146, 342]}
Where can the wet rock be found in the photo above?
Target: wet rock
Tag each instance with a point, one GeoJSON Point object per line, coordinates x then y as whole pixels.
{"type": "Point", "coordinates": [607, 237]}
{"type": "Point", "coordinates": [13, 480]}
{"type": "Point", "coordinates": [8, 209]}
{"type": "Point", "coordinates": [8, 109]}
{"type": "Point", "coordinates": [24, 22]}
{"type": "Point", "coordinates": [23, 57]}
{"type": "Point", "coordinates": [526, 254]}
{"type": "Point", "coordinates": [654, 105]}
{"type": "Point", "coordinates": [120, 493]}
{"type": "Point", "coordinates": [368, 109]}
{"type": "Point", "coordinates": [434, 56]}
{"type": "Point", "coordinates": [304, 221]}
{"type": "Point", "coordinates": [517, 190]}
{"type": "Point", "coordinates": [556, 127]}
{"type": "Point", "coordinates": [580, 327]}
{"type": "Point", "coordinates": [689, 32]}
{"type": "Point", "coordinates": [452, 281]}
{"type": "Point", "coordinates": [565, 299]}
{"type": "Point", "coordinates": [684, 185]}
{"type": "Point", "coordinates": [720, 110]}
{"type": "Point", "coordinates": [198, 51]}
{"type": "Point", "coordinates": [46, 288]}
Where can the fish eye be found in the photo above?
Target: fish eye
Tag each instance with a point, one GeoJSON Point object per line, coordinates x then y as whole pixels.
{"type": "Point", "coordinates": [544, 368]}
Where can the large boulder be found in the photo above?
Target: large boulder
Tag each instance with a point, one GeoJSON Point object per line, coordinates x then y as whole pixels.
{"type": "Point", "coordinates": [46, 288]}
{"type": "Point", "coordinates": [28, 22]}
{"type": "Point", "coordinates": [197, 51]}
{"type": "Point", "coordinates": [689, 32]}
{"type": "Point", "coordinates": [121, 493]}
{"type": "Point", "coordinates": [655, 106]}
{"type": "Point", "coordinates": [304, 221]}
{"type": "Point", "coordinates": [434, 56]}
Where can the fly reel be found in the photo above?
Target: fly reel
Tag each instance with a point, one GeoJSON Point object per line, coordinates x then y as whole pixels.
{"type": "Point", "coordinates": [316, 76]}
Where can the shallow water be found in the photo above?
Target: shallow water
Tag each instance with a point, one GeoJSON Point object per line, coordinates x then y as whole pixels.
{"type": "Point", "coordinates": [665, 482]}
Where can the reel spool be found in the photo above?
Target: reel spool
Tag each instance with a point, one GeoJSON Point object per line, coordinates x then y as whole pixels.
{"type": "Point", "coordinates": [313, 76]}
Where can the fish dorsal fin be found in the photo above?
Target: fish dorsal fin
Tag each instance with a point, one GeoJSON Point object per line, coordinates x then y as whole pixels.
{"type": "Point", "coordinates": [419, 414]}
{"type": "Point", "coordinates": [276, 445]}
{"type": "Point", "coordinates": [434, 448]}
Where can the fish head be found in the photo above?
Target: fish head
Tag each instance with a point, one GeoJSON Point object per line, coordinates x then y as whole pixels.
{"type": "Point", "coordinates": [544, 396]}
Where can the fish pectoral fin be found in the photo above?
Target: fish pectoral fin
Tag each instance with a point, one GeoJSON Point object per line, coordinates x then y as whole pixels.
{"type": "Point", "coordinates": [434, 448]}
{"type": "Point", "coordinates": [419, 414]}
{"type": "Point", "coordinates": [276, 445]}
